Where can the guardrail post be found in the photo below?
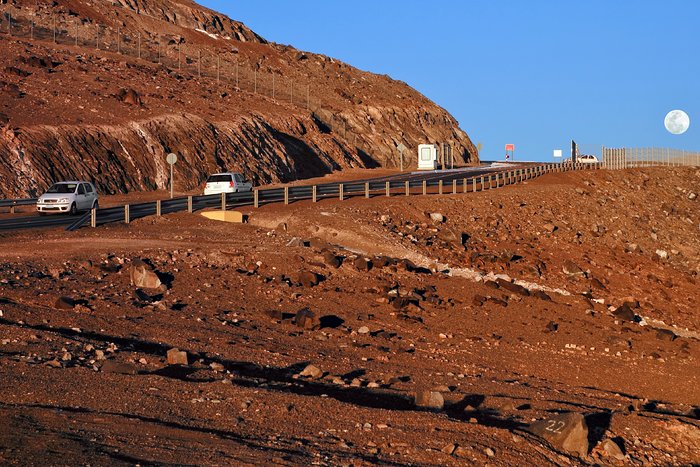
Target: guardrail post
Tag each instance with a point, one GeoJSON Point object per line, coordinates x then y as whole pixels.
{"type": "Point", "coordinates": [314, 194]}
{"type": "Point", "coordinates": [93, 218]}
{"type": "Point", "coordinates": [465, 185]}
{"type": "Point", "coordinates": [388, 188]}
{"type": "Point", "coordinates": [127, 217]}
{"type": "Point", "coordinates": [440, 187]}
{"type": "Point", "coordinates": [189, 204]}
{"type": "Point", "coordinates": [454, 186]}
{"type": "Point", "coordinates": [286, 195]}
{"type": "Point", "coordinates": [256, 199]}
{"type": "Point", "coordinates": [408, 188]}
{"type": "Point", "coordinates": [158, 208]}
{"type": "Point", "coordinates": [425, 187]}
{"type": "Point", "coordinates": [12, 209]}
{"type": "Point", "coordinates": [223, 201]}
{"type": "Point", "coordinates": [366, 189]}
{"type": "Point", "coordinates": [340, 191]}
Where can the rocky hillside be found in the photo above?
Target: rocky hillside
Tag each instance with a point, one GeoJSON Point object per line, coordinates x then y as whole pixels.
{"type": "Point", "coordinates": [105, 90]}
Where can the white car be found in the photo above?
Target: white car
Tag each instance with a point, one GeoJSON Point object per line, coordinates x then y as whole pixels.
{"type": "Point", "coordinates": [227, 182]}
{"type": "Point", "coordinates": [587, 159]}
{"type": "Point", "coordinates": [69, 197]}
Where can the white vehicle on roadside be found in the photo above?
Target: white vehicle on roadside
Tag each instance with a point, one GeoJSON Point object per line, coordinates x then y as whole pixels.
{"type": "Point", "coordinates": [587, 159]}
{"type": "Point", "coordinates": [68, 197]}
{"type": "Point", "coordinates": [226, 182]}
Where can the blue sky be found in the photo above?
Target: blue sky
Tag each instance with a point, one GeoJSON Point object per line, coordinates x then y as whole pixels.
{"type": "Point", "coordinates": [534, 73]}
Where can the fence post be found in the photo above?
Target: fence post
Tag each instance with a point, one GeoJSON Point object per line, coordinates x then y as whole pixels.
{"type": "Point", "coordinates": [223, 201]}
{"type": "Point", "coordinates": [440, 187]}
{"type": "Point", "coordinates": [127, 217]}
{"type": "Point", "coordinates": [366, 189]}
{"type": "Point", "coordinates": [408, 188]}
{"type": "Point", "coordinates": [340, 191]}
{"type": "Point", "coordinates": [256, 199]}
{"type": "Point", "coordinates": [189, 204]}
{"type": "Point", "coordinates": [314, 194]}
{"type": "Point", "coordinates": [425, 187]}
{"type": "Point", "coordinates": [93, 218]}
{"type": "Point", "coordinates": [159, 212]}
{"type": "Point", "coordinates": [388, 188]}
{"type": "Point", "coordinates": [286, 195]}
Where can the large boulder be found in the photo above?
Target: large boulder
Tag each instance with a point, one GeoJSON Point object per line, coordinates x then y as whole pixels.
{"type": "Point", "coordinates": [142, 275]}
{"type": "Point", "coordinates": [567, 432]}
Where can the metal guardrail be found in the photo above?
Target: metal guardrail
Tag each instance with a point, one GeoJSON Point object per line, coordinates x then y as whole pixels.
{"type": "Point", "coordinates": [446, 183]}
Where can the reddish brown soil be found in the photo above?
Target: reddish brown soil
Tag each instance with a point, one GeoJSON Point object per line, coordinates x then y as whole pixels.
{"type": "Point", "coordinates": [500, 359]}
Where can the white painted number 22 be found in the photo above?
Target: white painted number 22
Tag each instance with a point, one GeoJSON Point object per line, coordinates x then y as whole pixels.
{"type": "Point", "coordinates": [554, 426]}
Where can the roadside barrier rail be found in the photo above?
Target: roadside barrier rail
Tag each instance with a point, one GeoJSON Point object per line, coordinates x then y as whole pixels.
{"type": "Point", "coordinates": [451, 182]}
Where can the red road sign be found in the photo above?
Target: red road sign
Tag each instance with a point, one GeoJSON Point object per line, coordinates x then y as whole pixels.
{"type": "Point", "coordinates": [510, 147]}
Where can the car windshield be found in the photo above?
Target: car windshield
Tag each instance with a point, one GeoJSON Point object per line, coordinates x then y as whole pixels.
{"type": "Point", "coordinates": [62, 188]}
{"type": "Point", "coordinates": [219, 178]}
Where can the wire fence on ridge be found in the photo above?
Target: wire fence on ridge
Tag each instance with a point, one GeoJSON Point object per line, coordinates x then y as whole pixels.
{"type": "Point", "coordinates": [220, 70]}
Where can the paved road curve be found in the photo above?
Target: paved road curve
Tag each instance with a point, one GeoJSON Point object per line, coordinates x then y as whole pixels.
{"type": "Point", "coordinates": [272, 195]}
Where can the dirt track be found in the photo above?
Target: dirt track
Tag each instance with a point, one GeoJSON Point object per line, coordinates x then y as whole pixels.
{"type": "Point", "coordinates": [88, 381]}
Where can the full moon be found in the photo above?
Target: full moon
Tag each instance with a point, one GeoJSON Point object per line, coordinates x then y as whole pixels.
{"type": "Point", "coordinates": [677, 122]}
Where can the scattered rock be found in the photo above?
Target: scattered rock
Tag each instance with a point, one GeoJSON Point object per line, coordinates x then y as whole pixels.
{"type": "Point", "coordinates": [489, 452]}
{"type": "Point", "coordinates": [692, 196]}
{"type": "Point", "coordinates": [177, 357]}
{"type": "Point", "coordinates": [550, 227]}
{"type": "Point", "coordinates": [64, 303]}
{"type": "Point", "coordinates": [363, 330]}
{"type": "Point", "coordinates": [296, 242]}
{"type": "Point", "coordinates": [611, 449]}
{"type": "Point", "coordinates": [552, 327]}
{"type": "Point", "coordinates": [311, 371]}
{"type": "Point", "coordinates": [429, 400]}
{"type": "Point", "coordinates": [513, 287]}
{"type": "Point", "coordinates": [129, 96]}
{"type": "Point", "coordinates": [437, 217]}
{"type": "Point", "coordinates": [306, 319]}
{"type": "Point", "coordinates": [542, 295]}
{"type": "Point", "coordinates": [362, 264]}
{"type": "Point", "coordinates": [566, 431]}
{"type": "Point", "coordinates": [142, 275]}
{"type": "Point", "coordinates": [572, 269]}
{"type": "Point", "coordinates": [665, 335]}
{"type": "Point", "coordinates": [332, 260]}
{"type": "Point", "coordinates": [624, 312]}
{"type": "Point", "coordinates": [306, 278]}
{"type": "Point", "coordinates": [449, 449]}
{"type": "Point", "coordinates": [663, 254]}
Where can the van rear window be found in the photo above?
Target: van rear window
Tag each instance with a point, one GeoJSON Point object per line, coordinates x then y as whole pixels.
{"type": "Point", "coordinates": [219, 178]}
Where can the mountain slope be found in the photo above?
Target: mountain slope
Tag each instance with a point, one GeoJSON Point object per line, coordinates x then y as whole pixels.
{"type": "Point", "coordinates": [144, 78]}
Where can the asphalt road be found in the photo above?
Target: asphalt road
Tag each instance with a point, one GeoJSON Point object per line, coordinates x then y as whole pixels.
{"type": "Point", "coordinates": [265, 196]}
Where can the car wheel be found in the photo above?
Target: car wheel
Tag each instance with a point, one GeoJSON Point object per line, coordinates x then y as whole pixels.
{"type": "Point", "coordinates": [73, 210]}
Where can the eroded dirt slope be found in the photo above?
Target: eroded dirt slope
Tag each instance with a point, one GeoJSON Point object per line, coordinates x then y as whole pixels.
{"type": "Point", "coordinates": [148, 78]}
